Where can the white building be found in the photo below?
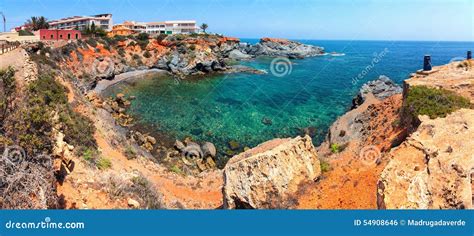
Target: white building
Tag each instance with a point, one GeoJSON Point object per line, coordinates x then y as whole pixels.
{"type": "Point", "coordinates": [172, 27]}
{"type": "Point", "coordinates": [103, 21]}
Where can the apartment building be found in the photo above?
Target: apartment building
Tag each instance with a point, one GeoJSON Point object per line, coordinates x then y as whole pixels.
{"type": "Point", "coordinates": [103, 21]}
{"type": "Point", "coordinates": [165, 27]}
{"type": "Point", "coordinates": [172, 27]}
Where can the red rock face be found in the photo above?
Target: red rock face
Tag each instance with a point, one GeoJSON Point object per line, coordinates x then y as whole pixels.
{"type": "Point", "coordinates": [275, 40]}
{"type": "Point", "coordinates": [351, 182]}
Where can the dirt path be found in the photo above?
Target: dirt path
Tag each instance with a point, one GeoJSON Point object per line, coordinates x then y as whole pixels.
{"type": "Point", "coordinates": [16, 59]}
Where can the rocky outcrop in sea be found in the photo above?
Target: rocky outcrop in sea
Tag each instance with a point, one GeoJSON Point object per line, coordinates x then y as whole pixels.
{"type": "Point", "coordinates": [282, 48]}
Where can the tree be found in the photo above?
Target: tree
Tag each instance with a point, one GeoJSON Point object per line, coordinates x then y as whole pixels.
{"type": "Point", "coordinates": [93, 28]}
{"type": "Point", "coordinates": [37, 23]}
{"type": "Point", "coordinates": [94, 31]}
{"type": "Point", "coordinates": [204, 27]}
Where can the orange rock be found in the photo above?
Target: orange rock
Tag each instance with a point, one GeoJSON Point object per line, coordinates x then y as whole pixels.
{"type": "Point", "coordinates": [275, 40]}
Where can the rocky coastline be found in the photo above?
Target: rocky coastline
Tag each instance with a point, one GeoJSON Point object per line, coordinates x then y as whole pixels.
{"type": "Point", "coordinates": [372, 157]}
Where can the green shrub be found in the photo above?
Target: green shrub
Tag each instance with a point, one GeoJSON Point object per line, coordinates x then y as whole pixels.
{"type": "Point", "coordinates": [422, 100]}
{"type": "Point", "coordinates": [147, 54]}
{"type": "Point", "coordinates": [143, 44]}
{"type": "Point", "coordinates": [47, 99]}
{"type": "Point", "coordinates": [25, 33]}
{"type": "Point", "coordinates": [92, 42]}
{"type": "Point", "coordinates": [89, 155]}
{"type": "Point", "coordinates": [176, 170]}
{"type": "Point", "coordinates": [325, 167]}
{"type": "Point", "coordinates": [180, 37]}
{"type": "Point", "coordinates": [143, 36]}
{"type": "Point", "coordinates": [103, 163]}
{"type": "Point", "coordinates": [121, 52]}
{"type": "Point", "coordinates": [136, 57]}
{"type": "Point", "coordinates": [161, 37]}
{"type": "Point", "coordinates": [78, 129]}
{"type": "Point", "coordinates": [7, 90]}
{"type": "Point", "coordinates": [130, 153]}
{"type": "Point", "coordinates": [335, 148]}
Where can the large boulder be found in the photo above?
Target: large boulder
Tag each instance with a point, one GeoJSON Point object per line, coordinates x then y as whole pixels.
{"type": "Point", "coordinates": [432, 168]}
{"type": "Point", "coordinates": [267, 175]}
{"type": "Point", "coordinates": [238, 55]}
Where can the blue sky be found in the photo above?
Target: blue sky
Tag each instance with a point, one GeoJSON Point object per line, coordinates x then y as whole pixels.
{"type": "Point", "coordinates": [436, 20]}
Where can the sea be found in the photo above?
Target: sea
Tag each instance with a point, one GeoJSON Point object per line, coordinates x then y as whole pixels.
{"type": "Point", "coordinates": [293, 97]}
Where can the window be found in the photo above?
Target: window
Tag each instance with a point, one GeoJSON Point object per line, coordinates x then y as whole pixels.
{"type": "Point", "coordinates": [68, 36]}
{"type": "Point", "coordinates": [52, 36]}
{"type": "Point", "coordinates": [77, 36]}
{"type": "Point", "coordinates": [61, 36]}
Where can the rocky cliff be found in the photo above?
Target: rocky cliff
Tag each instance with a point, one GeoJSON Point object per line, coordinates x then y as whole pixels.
{"type": "Point", "coordinates": [265, 176]}
{"type": "Point", "coordinates": [432, 168]}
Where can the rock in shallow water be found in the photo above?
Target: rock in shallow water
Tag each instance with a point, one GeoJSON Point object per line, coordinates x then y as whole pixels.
{"type": "Point", "coordinates": [209, 149]}
{"type": "Point", "coordinates": [267, 175]}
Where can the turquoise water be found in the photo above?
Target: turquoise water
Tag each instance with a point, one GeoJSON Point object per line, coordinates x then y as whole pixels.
{"type": "Point", "coordinates": [318, 90]}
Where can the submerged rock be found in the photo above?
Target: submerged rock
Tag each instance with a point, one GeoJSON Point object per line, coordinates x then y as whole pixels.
{"type": "Point", "coordinates": [267, 175]}
{"type": "Point", "coordinates": [234, 145]}
{"type": "Point", "coordinates": [267, 121]}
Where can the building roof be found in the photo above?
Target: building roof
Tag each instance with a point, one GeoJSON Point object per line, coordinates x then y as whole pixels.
{"type": "Point", "coordinates": [74, 18]}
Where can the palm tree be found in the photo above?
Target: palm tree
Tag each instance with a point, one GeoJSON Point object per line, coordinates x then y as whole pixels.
{"type": "Point", "coordinates": [37, 23]}
{"type": "Point", "coordinates": [204, 27]}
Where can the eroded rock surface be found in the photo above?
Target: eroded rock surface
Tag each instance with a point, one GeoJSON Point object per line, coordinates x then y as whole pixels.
{"type": "Point", "coordinates": [432, 168]}
{"type": "Point", "coordinates": [263, 177]}
{"type": "Point", "coordinates": [381, 88]}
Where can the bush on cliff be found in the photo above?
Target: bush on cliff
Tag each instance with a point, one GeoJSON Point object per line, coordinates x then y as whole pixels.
{"type": "Point", "coordinates": [47, 100]}
{"type": "Point", "coordinates": [422, 100]}
{"type": "Point", "coordinates": [147, 54]}
{"type": "Point", "coordinates": [7, 89]}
